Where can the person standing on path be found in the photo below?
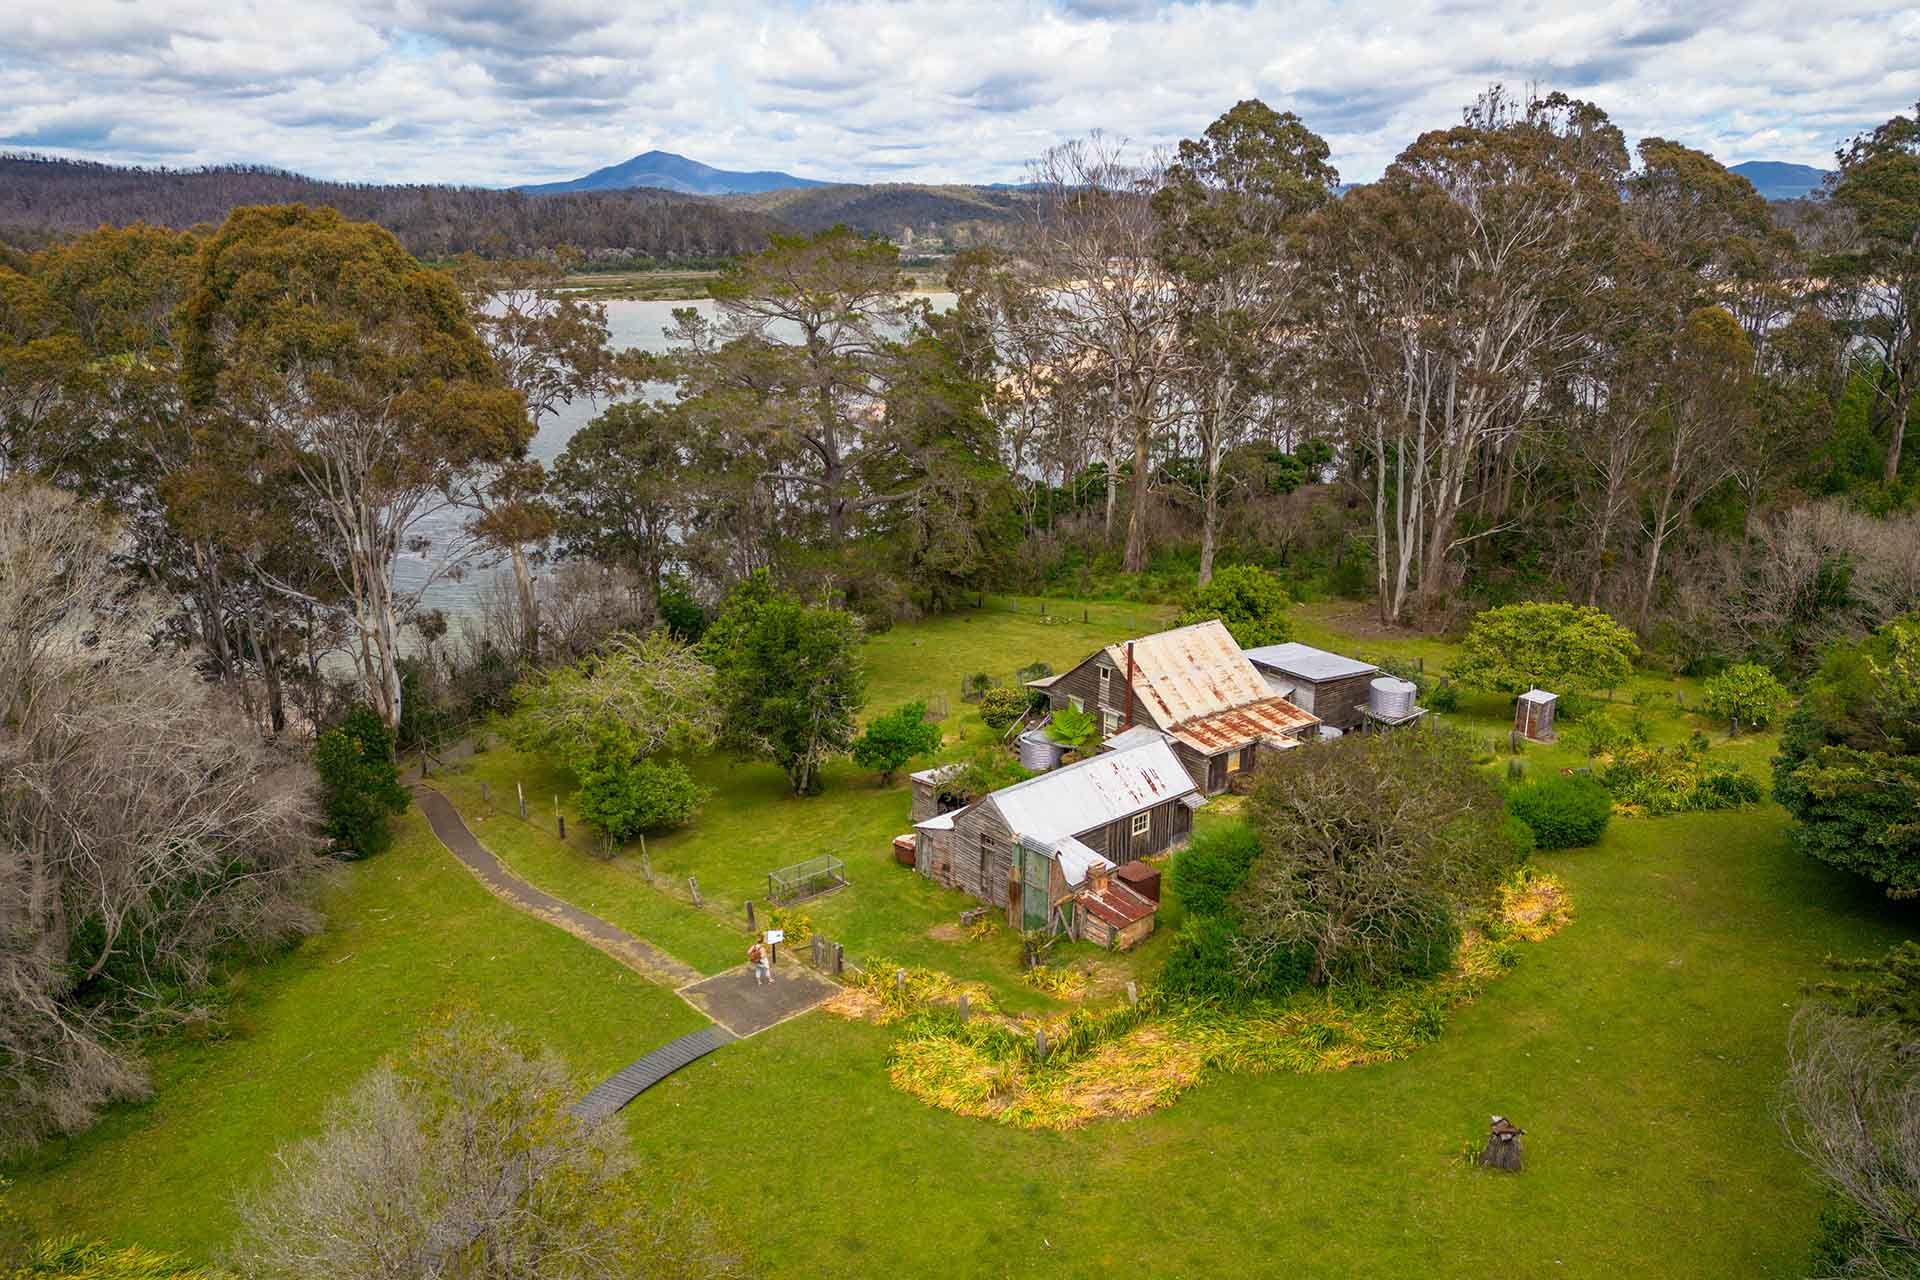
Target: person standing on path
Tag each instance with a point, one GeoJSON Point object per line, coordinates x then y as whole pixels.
{"type": "Point", "coordinates": [757, 957]}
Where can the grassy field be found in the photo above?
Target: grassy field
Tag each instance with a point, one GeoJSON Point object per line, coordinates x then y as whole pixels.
{"type": "Point", "coordinates": [1641, 1047]}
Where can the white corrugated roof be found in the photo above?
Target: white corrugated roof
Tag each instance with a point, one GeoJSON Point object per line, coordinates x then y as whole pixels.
{"type": "Point", "coordinates": [939, 821]}
{"type": "Point", "coordinates": [1076, 860]}
{"type": "Point", "coordinates": [1092, 792]}
{"type": "Point", "coordinates": [1307, 662]}
{"type": "Point", "coordinates": [1539, 695]}
{"type": "Point", "coordinates": [1133, 737]}
{"type": "Point", "coordinates": [1190, 672]}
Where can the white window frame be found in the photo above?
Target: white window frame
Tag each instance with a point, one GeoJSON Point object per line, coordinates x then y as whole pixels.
{"type": "Point", "coordinates": [1109, 722]}
{"type": "Point", "coordinates": [1142, 824]}
{"type": "Point", "coordinates": [1106, 684]}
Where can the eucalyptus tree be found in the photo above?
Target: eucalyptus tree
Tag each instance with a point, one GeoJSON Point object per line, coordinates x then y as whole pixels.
{"type": "Point", "coordinates": [1877, 270]}
{"type": "Point", "coordinates": [553, 348]}
{"type": "Point", "coordinates": [1115, 312]}
{"type": "Point", "coordinates": [1227, 207]}
{"type": "Point", "coordinates": [358, 373]}
{"type": "Point", "coordinates": [792, 368]}
{"type": "Point", "coordinates": [1449, 293]}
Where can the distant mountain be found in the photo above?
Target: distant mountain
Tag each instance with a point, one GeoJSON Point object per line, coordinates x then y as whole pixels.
{"type": "Point", "coordinates": [1777, 180]}
{"type": "Point", "coordinates": [42, 198]}
{"type": "Point", "coordinates": [666, 171]}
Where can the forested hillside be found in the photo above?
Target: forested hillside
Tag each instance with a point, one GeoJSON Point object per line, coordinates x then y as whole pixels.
{"type": "Point", "coordinates": [966, 215]}
{"type": "Point", "coordinates": [42, 197]}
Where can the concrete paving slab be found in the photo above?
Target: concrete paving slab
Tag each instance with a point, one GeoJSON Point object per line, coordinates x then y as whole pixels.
{"type": "Point", "coordinates": [743, 1007]}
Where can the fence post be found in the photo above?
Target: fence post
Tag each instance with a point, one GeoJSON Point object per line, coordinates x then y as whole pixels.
{"type": "Point", "coordinates": [483, 794]}
{"type": "Point", "coordinates": [963, 1007]}
{"type": "Point", "coordinates": [561, 818]}
{"type": "Point", "coordinates": [694, 886]}
{"type": "Point", "coordinates": [839, 959]}
{"type": "Point", "coordinates": [1040, 1043]}
{"type": "Point", "coordinates": [750, 924]}
{"type": "Point", "coordinates": [522, 793]}
{"type": "Point", "coordinates": [1133, 994]}
{"type": "Point", "coordinates": [900, 980]}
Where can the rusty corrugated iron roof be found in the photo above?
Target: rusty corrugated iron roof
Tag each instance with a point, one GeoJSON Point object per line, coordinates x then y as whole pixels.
{"type": "Point", "coordinates": [1189, 673]}
{"type": "Point", "coordinates": [1119, 906]}
{"type": "Point", "coordinates": [1273, 721]}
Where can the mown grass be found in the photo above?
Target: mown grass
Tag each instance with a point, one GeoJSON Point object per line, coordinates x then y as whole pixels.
{"type": "Point", "coordinates": [1641, 1047]}
{"type": "Point", "coordinates": [410, 934]}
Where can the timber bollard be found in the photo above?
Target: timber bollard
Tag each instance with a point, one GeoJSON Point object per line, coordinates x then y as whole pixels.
{"type": "Point", "coordinates": [693, 887]}
{"type": "Point", "coordinates": [1133, 994]}
{"type": "Point", "coordinates": [839, 959]}
{"type": "Point", "coordinates": [1040, 1044]}
{"type": "Point", "coordinates": [900, 980]}
{"type": "Point", "coordinates": [963, 1007]}
{"type": "Point", "coordinates": [750, 925]}
{"type": "Point", "coordinates": [561, 818]}
{"type": "Point", "coordinates": [522, 793]}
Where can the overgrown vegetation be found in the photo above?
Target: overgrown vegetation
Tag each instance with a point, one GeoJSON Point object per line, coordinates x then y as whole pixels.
{"type": "Point", "coordinates": [360, 789]}
{"type": "Point", "coordinates": [1562, 812]}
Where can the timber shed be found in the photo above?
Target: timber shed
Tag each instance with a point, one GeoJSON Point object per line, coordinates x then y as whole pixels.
{"type": "Point", "coordinates": [1193, 688]}
{"type": "Point", "coordinates": [1031, 848]}
{"type": "Point", "coordinates": [1329, 685]}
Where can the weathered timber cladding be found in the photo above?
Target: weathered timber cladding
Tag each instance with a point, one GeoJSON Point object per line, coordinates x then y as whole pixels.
{"type": "Point", "coordinates": [981, 830]}
{"type": "Point", "coordinates": [926, 800]}
{"type": "Point", "coordinates": [1083, 682]}
{"type": "Point", "coordinates": [1339, 702]}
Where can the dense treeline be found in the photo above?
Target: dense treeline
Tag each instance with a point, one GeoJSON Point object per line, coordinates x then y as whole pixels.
{"type": "Point", "coordinates": [42, 198]}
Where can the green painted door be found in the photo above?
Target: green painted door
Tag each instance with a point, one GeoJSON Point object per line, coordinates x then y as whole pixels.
{"type": "Point", "coordinates": [1034, 869]}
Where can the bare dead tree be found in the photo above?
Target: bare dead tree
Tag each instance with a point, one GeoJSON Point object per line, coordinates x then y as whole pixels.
{"type": "Point", "coordinates": [1851, 1109]}
{"type": "Point", "coordinates": [144, 830]}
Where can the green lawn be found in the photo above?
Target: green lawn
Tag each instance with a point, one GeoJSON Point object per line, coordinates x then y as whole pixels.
{"type": "Point", "coordinates": [410, 934]}
{"type": "Point", "coordinates": [1641, 1047]}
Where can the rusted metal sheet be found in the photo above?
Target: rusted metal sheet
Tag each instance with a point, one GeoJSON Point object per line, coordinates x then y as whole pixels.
{"type": "Point", "coordinates": [1272, 722]}
{"type": "Point", "coordinates": [1119, 906]}
{"type": "Point", "coordinates": [1190, 673]}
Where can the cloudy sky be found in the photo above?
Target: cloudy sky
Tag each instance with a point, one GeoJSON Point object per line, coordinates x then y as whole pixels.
{"type": "Point", "coordinates": [494, 92]}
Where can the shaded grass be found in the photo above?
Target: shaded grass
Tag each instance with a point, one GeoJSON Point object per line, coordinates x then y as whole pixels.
{"type": "Point", "coordinates": [410, 933]}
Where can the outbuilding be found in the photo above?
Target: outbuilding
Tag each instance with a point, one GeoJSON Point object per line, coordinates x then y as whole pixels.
{"type": "Point", "coordinates": [1329, 685]}
{"type": "Point", "coordinates": [1031, 848]}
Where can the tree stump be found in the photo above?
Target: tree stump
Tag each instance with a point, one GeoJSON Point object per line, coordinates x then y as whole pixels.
{"type": "Point", "coordinates": [1503, 1146]}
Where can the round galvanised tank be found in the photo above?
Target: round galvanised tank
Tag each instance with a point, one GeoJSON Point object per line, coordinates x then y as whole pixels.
{"type": "Point", "coordinates": [1038, 752]}
{"type": "Point", "coordinates": [1391, 698]}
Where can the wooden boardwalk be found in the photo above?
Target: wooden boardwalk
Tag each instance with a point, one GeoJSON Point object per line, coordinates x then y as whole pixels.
{"type": "Point", "coordinates": [626, 1084]}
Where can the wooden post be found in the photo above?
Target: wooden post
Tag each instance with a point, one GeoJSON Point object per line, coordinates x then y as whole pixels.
{"type": "Point", "coordinates": [693, 887]}
{"type": "Point", "coordinates": [900, 980]}
{"type": "Point", "coordinates": [771, 896]}
{"type": "Point", "coordinates": [839, 959]}
{"type": "Point", "coordinates": [423, 762]}
{"type": "Point", "coordinates": [522, 793]}
{"type": "Point", "coordinates": [751, 926]}
{"type": "Point", "coordinates": [1133, 994]}
{"type": "Point", "coordinates": [1040, 1043]}
{"type": "Point", "coordinates": [483, 794]}
{"type": "Point", "coordinates": [561, 818]}
{"type": "Point", "coordinates": [963, 1007]}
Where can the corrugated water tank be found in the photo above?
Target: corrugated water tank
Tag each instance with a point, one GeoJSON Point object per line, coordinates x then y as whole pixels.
{"type": "Point", "coordinates": [1038, 752]}
{"type": "Point", "coordinates": [1390, 698]}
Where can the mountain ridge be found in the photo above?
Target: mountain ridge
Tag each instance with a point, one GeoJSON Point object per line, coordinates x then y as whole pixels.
{"type": "Point", "coordinates": [669, 171]}
{"type": "Point", "coordinates": [1779, 180]}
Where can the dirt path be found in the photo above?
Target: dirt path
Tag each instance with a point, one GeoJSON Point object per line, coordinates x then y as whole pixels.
{"type": "Point", "coordinates": [637, 954]}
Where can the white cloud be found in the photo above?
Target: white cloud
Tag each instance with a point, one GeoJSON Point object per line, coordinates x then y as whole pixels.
{"type": "Point", "coordinates": [501, 91]}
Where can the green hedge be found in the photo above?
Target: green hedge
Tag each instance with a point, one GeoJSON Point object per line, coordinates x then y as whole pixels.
{"type": "Point", "coordinates": [1562, 812]}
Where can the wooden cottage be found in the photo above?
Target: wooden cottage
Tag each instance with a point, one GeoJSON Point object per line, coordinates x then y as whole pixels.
{"type": "Point", "coordinates": [1329, 685]}
{"type": "Point", "coordinates": [1032, 848]}
{"type": "Point", "coordinates": [1192, 688]}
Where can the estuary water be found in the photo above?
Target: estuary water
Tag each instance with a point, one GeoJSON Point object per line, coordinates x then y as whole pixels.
{"type": "Point", "coordinates": [630, 324]}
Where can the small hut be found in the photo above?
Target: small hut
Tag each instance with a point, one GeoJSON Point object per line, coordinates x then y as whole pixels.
{"type": "Point", "coordinates": [1533, 715]}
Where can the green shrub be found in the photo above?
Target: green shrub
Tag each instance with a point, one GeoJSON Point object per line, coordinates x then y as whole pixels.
{"type": "Point", "coordinates": [1562, 647]}
{"type": "Point", "coordinates": [1746, 693]}
{"type": "Point", "coordinates": [1205, 964]}
{"type": "Point", "coordinates": [622, 798]}
{"type": "Point", "coordinates": [1001, 708]}
{"type": "Point", "coordinates": [975, 686]}
{"type": "Point", "coordinates": [895, 738]}
{"type": "Point", "coordinates": [1248, 601]}
{"type": "Point", "coordinates": [1661, 780]}
{"type": "Point", "coordinates": [1562, 812]}
{"type": "Point", "coordinates": [1522, 838]}
{"type": "Point", "coordinates": [1444, 698]}
{"type": "Point", "coordinates": [360, 787]}
{"type": "Point", "coordinates": [1214, 864]}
